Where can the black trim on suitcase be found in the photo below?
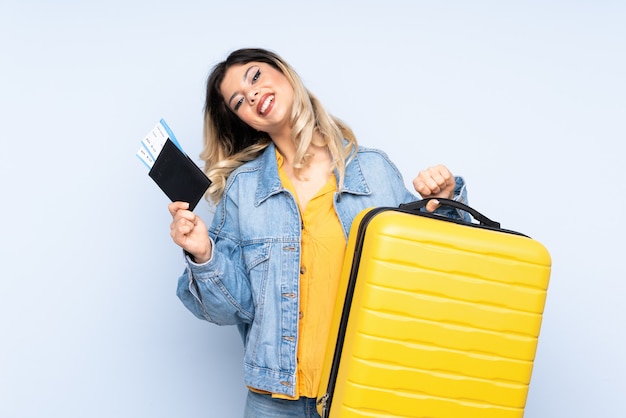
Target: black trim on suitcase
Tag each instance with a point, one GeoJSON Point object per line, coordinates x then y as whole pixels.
{"type": "Point", "coordinates": [327, 399]}
{"type": "Point", "coordinates": [413, 208]}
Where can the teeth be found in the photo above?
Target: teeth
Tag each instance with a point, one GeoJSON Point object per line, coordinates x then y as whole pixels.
{"type": "Point", "coordinates": [266, 104]}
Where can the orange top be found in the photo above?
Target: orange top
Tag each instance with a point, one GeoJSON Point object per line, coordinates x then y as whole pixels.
{"type": "Point", "coordinates": [322, 250]}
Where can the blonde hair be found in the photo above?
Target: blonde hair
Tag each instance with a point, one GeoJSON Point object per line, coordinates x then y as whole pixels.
{"type": "Point", "coordinates": [228, 142]}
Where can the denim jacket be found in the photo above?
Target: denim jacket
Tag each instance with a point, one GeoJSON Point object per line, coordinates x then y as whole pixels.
{"type": "Point", "coordinates": [253, 275]}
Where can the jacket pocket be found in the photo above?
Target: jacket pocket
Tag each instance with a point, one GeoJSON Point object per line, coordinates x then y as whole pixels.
{"type": "Point", "coordinates": [255, 254]}
{"type": "Point", "coordinates": [261, 348]}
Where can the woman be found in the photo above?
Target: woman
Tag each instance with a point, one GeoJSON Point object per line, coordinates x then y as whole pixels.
{"type": "Point", "coordinates": [288, 179]}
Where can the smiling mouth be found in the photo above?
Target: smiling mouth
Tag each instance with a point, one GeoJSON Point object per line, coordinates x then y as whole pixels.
{"type": "Point", "coordinates": [266, 104]}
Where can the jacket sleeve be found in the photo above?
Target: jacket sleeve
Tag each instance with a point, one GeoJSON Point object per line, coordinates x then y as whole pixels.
{"type": "Point", "coordinates": [219, 290]}
{"type": "Point", "coordinates": [406, 196]}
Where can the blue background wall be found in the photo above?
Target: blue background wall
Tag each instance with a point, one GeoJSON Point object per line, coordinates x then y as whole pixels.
{"type": "Point", "coordinates": [527, 100]}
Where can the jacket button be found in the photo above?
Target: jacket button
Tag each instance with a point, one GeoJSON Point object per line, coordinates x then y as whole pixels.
{"type": "Point", "coordinates": [300, 314]}
{"type": "Point", "coordinates": [284, 383]}
{"type": "Point", "coordinates": [302, 270]}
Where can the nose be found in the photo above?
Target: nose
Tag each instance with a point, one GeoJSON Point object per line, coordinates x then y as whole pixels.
{"type": "Point", "coordinates": [252, 95]}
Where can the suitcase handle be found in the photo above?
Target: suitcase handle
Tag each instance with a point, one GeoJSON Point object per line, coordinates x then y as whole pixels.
{"type": "Point", "coordinates": [419, 204]}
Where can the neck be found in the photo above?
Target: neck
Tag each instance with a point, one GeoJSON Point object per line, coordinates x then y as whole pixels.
{"type": "Point", "coordinates": [287, 148]}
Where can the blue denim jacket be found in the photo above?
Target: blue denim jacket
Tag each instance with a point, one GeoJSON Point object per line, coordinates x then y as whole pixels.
{"type": "Point", "coordinates": [253, 275]}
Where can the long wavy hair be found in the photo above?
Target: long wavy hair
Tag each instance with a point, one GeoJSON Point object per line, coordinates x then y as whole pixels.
{"type": "Point", "coordinates": [229, 142]}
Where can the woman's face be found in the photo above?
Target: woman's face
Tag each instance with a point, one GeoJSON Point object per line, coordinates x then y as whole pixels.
{"type": "Point", "coordinates": [259, 95]}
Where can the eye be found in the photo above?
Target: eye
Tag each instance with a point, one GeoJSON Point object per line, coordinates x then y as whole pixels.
{"type": "Point", "coordinates": [238, 104]}
{"type": "Point", "coordinates": [256, 76]}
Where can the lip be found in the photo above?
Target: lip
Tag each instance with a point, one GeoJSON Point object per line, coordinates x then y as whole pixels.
{"type": "Point", "coordinates": [264, 99]}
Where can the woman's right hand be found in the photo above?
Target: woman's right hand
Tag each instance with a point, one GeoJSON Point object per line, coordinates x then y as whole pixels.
{"type": "Point", "coordinates": [189, 232]}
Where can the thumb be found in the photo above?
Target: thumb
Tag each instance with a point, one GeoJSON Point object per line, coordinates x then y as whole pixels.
{"type": "Point", "coordinates": [176, 206]}
{"type": "Point", "coordinates": [432, 205]}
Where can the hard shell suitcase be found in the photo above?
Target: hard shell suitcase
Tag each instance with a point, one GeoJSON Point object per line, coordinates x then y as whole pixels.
{"type": "Point", "coordinates": [440, 318]}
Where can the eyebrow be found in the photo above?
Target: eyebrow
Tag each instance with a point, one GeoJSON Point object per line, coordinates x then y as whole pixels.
{"type": "Point", "coordinates": [244, 78]}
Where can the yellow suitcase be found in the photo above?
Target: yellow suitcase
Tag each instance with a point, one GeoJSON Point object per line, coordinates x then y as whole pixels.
{"type": "Point", "coordinates": [440, 318]}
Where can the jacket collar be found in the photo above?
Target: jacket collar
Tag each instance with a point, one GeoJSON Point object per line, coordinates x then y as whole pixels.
{"type": "Point", "coordinates": [269, 182]}
{"type": "Point", "coordinates": [354, 181]}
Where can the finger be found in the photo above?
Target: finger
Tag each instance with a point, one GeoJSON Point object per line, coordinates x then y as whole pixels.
{"type": "Point", "coordinates": [176, 206]}
{"type": "Point", "coordinates": [421, 188]}
{"type": "Point", "coordinates": [432, 205]}
{"type": "Point", "coordinates": [184, 225]}
{"type": "Point", "coordinates": [444, 179]}
{"type": "Point", "coordinates": [437, 184]}
{"type": "Point", "coordinates": [442, 176]}
{"type": "Point", "coordinates": [185, 214]}
{"type": "Point", "coordinates": [181, 231]}
{"type": "Point", "coordinates": [427, 185]}
{"type": "Point", "coordinates": [443, 171]}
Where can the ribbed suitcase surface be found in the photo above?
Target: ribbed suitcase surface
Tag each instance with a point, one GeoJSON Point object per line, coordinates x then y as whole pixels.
{"type": "Point", "coordinates": [441, 320]}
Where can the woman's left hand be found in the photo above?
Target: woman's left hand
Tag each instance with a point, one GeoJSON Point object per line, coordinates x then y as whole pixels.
{"type": "Point", "coordinates": [435, 182]}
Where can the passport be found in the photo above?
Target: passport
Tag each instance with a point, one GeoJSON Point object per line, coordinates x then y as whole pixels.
{"type": "Point", "coordinates": [170, 167]}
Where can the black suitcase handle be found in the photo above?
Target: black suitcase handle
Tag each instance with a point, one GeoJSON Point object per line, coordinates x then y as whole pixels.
{"type": "Point", "coordinates": [419, 204]}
